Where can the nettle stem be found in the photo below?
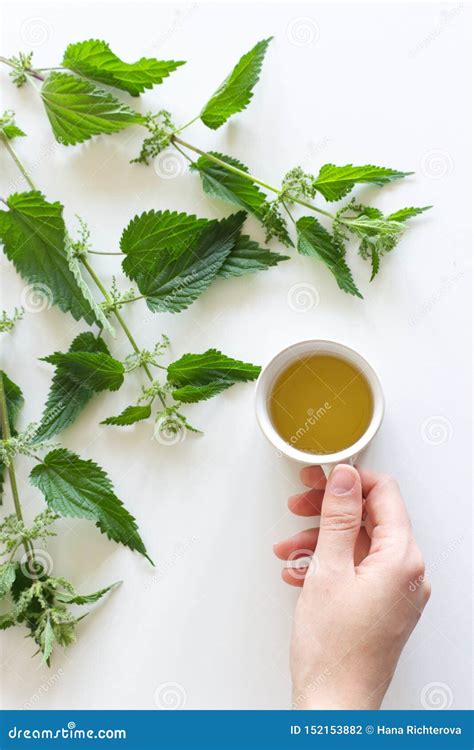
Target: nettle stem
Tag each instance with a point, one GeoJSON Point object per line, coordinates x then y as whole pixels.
{"type": "Point", "coordinates": [6, 432]}
{"type": "Point", "coordinates": [119, 318]}
{"type": "Point", "coordinates": [28, 71]}
{"type": "Point", "coordinates": [18, 162]}
{"type": "Point", "coordinates": [248, 176]}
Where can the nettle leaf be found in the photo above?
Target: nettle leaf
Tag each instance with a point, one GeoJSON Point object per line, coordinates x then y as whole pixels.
{"type": "Point", "coordinates": [7, 577]}
{"type": "Point", "coordinates": [236, 91]}
{"type": "Point", "coordinates": [153, 231]}
{"type": "Point", "coordinates": [130, 415]}
{"type": "Point", "coordinates": [229, 186]}
{"type": "Point", "coordinates": [94, 59]}
{"type": "Point", "coordinates": [69, 598]}
{"type": "Point", "coordinates": [314, 240]}
{"type": "Point", "coordinates": [7, 621]}
{"type": "Point", "coordinates": [407, 213]}
{"type": "Point", "coordinates": [366, 226]}
{"type": "Point", "coordinates": [335, 182]}
{"type": "Point", "coordinates": [374, 262]}
{"type": "Point", "coordinates": [45, 637]}
{"type": "Point", "coordinates": [33, 234]}
{"type": "Point", "coordinates": [66, 397]}
{"type": "Point", "coordinates": [197, 377]}
{"type": "Point", "coordinates": [97, 371]}
{"type": "Point", "coordinates": [77, 109]}
{"type": "Point", "coordinates": [219, 182]}
{"type": "Point", "coordinates": [8, 127]}
{"type": "Point", "coordinates": [14, 401]}
{"type": "Point", "coordinates": [190, 394]}
{"type": "Point", "coordinates": [76, 488]}
{"type": "Point", "coordinates": [248, 256]}
{"type": "Point", "coordinates": [177, 276]}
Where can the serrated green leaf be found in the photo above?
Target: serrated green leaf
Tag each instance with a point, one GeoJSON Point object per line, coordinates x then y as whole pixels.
{"type": "Point", "coordinates": [248, 256]}
{"type": "Point", "coordinates": [236, 91]}
{"type": "Point", "coordinates": [66, 397]}
{"type": "Point", "coordinates": [407, 213]}
{"type": "Point", "coordinates": [374, 262]}
{"type": "Point", "coordinates": [198, 377]}
{"type": "Point", "coordinates": [151, 232]}
{"type": "Point", "coordinates": [229, 186]}
{"type": "Point", "coordinates": [45, 639]}
{"type": "Point", "coordinates": [14, 399]}
{"type": "Point", "coordinates": [190, 394]}
{"type": "Point", "coordinates": [77, 109]}
{"type": "Point", "coordinates": [219, 182]}
{"type": "Point", "coordinates": [130, 415]}
{"type": "Point", "coordinates": [95, 370]}
{"type": "Point", "coordinates": [315, 241]}
{"type": "Point", "coordinates": [8, 126]}
{"type": "Point", "coordinates": [33, 234]}
{"type": "Point", "coordinates": [94, 59]}
{"type": "Point", "coordinates": [86, 598]}
{"type": "Point", "coordinates": [11, 132]}
{"type": "Point", "coordinates": [7, 621]}
{"type": "Point", "coordinates": [74, 487]}
{"type": "Point", "coordinates": [335, 182]}
{"type": "Point", "coordinates": [7, 577]}
{"type": "Point", "coordinates": [177, 276]}
{"type": "Point", "coordinates": [365, 226]}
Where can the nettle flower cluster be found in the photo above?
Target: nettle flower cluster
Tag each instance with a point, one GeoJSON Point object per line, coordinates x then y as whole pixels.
{"type": "Point", "coordinates": [169, 259]}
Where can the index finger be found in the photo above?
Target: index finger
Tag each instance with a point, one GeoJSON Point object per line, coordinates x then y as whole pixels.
{"type": "Point", "coordinates": [384, 504]}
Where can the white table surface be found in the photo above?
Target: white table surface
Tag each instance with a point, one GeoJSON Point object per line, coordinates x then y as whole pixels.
{"type": "Point", "coordinates": [384, 84]}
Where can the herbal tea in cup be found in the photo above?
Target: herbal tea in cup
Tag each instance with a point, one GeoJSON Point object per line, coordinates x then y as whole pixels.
{"type": "Point", "coordinates": [319, 402]}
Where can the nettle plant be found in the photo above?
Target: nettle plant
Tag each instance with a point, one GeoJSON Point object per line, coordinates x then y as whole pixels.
{"type": "Point", "coordinates": [169, 258]}
{"type": "Point", "coordinates": [172, 258]}
{"type": "Point", "coordinates": [78, 110]}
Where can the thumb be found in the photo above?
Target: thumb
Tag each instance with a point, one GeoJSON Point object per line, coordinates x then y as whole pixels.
{"type": "Point", "coordinates": [341, 515]}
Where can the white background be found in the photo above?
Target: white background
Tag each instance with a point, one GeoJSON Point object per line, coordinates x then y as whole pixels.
{"type": "Point", "coordinates": [382, 84]}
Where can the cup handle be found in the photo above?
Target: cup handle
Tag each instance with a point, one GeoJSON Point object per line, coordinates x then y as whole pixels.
{"type": "Point", "coordinates": [327, 468]}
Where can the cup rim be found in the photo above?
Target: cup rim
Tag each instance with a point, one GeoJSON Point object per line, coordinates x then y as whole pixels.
{"type": "Point", "coordinates": [270, 371]}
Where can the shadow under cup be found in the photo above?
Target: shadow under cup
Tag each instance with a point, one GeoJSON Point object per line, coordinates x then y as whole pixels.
{"type": "Point", "coordinates": [281, 362]}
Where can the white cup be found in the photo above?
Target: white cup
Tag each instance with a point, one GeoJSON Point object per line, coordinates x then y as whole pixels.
{"type": "Point", "coordinates": [265, 383]}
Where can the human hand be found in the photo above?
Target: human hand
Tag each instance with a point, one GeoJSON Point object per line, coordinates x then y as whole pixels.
{"type": "Point", "coordinates": [356, 609]}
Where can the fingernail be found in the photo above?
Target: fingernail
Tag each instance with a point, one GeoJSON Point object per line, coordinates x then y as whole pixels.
{"type": "Point", "coordinates": [342, 480]}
